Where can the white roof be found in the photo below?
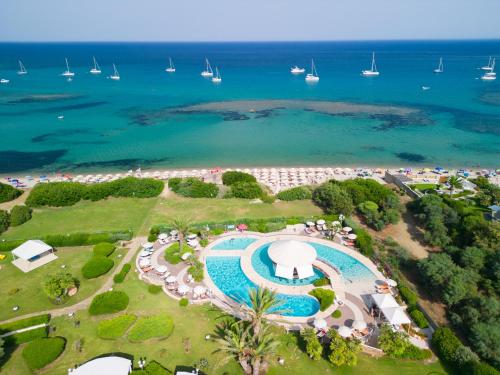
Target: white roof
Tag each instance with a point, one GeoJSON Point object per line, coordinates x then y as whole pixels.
{"type": "Point", "coordinates": [384, 300]}
{"type": "Point", "coordinates": [105, 365]}
{"type": "Point", "coordinates": [396, 315]}
{"type": "Point", "coordinates": [31, 249]}
{"type": "Point", "coordinates": [292, 253]}
{"type": "Point", "coordinates": [305, 271]}
{"type": "Point", "coordinates": [286, 272]}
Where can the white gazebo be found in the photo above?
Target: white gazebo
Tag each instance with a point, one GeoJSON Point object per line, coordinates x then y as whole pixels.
{"type": "Point", "coordinates": [396, 315]}
{"type": "Point", "coordinates": [293, 259]}
{"type": "Point", "coordinates": [32, 254]}
{"type": "Point", "coordinates": [106, 365]}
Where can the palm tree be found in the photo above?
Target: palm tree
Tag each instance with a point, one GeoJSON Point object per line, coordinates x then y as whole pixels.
{"type": "Point", "coordinates": [455, 182]}
{"type": "Point", "coordinates": [263, 346]}
{"type": "Point", "coordinates": [182, 226]}
{"type": "Point", "coordinates": [233, 339]}
{"type": "Point", "coordinates": [263, 301]}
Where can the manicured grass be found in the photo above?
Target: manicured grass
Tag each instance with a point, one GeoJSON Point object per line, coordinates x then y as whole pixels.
{"type": "Point", "coordinates": [149, 327]}
{"type": "Point", "coordinates": [173, 255]}
{"type": "Point", "coordinates": [423, 187]}
{"type": "Point", "coordinates": [105, 215]}
{"type": "Point", "coordinates": [205, 209]}
{"type": "Point", "coordinates": [25, 289]}
{"type": "Point", "coordinates": [187, 343]}
{"type": "Point", "coordinates": [116, 327]}
{"type": "Point", "coordinates": [39, 353]}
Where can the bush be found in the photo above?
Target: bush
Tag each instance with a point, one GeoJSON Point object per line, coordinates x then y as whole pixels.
{"type": "Point", "coordinates": [232, 177]}
{"type": "Point", "coordinates": [19, 215]}
{"type": "Point", "coordinates": [97, 266]}
{"type": "Point", "coordinates": [56, 286]}
{"type": "Point", "coordinates": [104, 249]}
{"type": "Point", "coordinates": [408, 295]}
{"type": "Point", "coordinates": [196, 270]}
{"type": "Point", "coordinates": [173, 255]}
{"type": "Point", "coordinates": [445, 343]}
{"type": "Point", "coordinates": [295, 194]}
{"type": "Point", "coordinates": [24, 323]}
{"type": "Point", "coordinates": [336, 314]}
{"type": "Point", "coordinates": [324, 281]}
{"type": "Point", "coordinates": [324, 296]}
{"type": "Point", "coordinates": [419, 318]}
{"type": "Point", "coordinates": [183, 302]}
{"type": "Point", "coordinates": [8, 193]}
{"type": "Point", "coordinates": [154, 289]}
{"type": "Point", "coordinates": [4, 220]}
{"type": "Point", "coordinates": [364, 242]}
{"type": "Point", "coordinates": [333, 199]}
{"type": "Point", "coordinates": [154, 368]}
{"type": "Point", "coordinates": [268, 199]}
{"type": "Point", "coordinates": [148, 327]}
{"type": "Point", "coordinates": [27, 336]}
{"type": "Point", "coordinates": [314, 348]}
{"type": "Point", "coordinates": [40, 352]}
{"type": "Point", "coordinates": [397, 345]}
{"type": "Point", "coordinates": [112, 329]}
{"type": "Point", "coordinates": [477, 368]}
{"type": "Point", "coordinates": [108, 303]}
{"type": "Point", "coordinates": [194, 188]}
{"type": "Point", "coordinates": [246, 190]}
{"type": "Point", "coordinates": [56, 194]}
{"type": "Point", "coordinates": [120, 276]}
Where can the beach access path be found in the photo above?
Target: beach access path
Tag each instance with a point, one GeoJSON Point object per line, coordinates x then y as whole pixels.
{"type": "Point", "coordinates": [18, 201]}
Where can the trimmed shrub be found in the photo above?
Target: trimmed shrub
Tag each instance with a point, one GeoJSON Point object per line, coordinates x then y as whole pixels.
{"type": "Point", "coordinates": [154, 289]}
{"type": "Point", "coordinates": [194, 188]}
{"type": "Point", "coordinates": [445, 343]}
{"type": "Point", "coordinates": [479, 368]}
{"type": "Point", "coordinates": [324, 296]}
{"type": "Point", "coordinates": [40, 352]}
{"type": "Point", "coordinates": [97, 266]}
{"type": "Point", "coordinates": [173, 255]}
{"type": "Point", "coordinates": [104, 249]}
{"type": "Point", "coordinates": [24, 323]}
{"type": "Point", "coordinates": [112, 329]}
{"type": "Point", "coordinates": [57, 194]}
{"type": "Point", "coordinates": [183, 302]}
{"type": "Point", "coordinates": [148, 327]}
{"type": "Point", "coordinates": [419, 318]}
{"type": "Point", "coordinates": [4, 220]}
{"type": "Point", "coordinates": [295, 194]}
{"type": "Point", "coordinates": [108, 303]}
{"type": "Point", "coordinates": [324, 281]}
{"type": "Point", "coordinates": [120, 276]}
{"type": "Point", "coordinates": [27, 336]}
{"type": "Point", "coordinates": [154, 368]}
{"type": "Point", "coordinates": [19, 215]}
{"type": "Point", "coordinates": [8, 193]}
{"type": "Point", "coordinates": [408, 295]}
{"type": "Point", "coordinates": [364, 242]}
{"type": "Point", "coordinates": [246, 190]}
{"type": "Point", "coordinates": [336, 314]}
{"type": "Point", "coordinates": [232, 177]}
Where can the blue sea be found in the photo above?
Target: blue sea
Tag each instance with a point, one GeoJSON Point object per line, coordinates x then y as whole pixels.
{"type": "Point", "coordinates": [260, 115]}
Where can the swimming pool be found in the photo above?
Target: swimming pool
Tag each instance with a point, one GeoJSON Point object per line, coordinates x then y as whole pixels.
{"type": "Point", "coordinates": [227, 274]}
{"type": "Point", "coordinates": [234, 243]}
{"type": "Point", "coordinates": [264, 266]}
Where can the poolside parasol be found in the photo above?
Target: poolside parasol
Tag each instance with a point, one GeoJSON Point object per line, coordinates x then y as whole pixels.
{"type": "Point", "coordinates": [171, 279]}
{"type": "Point", "coordinates": [320, 323]}
{"type": "Point", "coordinates": [199, 290]}
{"type": "Point", "coordinates": [242, 227]}
{"type": "Point", "coordinates": [183, 289]}
{"type": "Point", "coordinates": [359, 325]}
{"type": "Point", "coordinates": [345, 331]}
{"type": "Point", "coordinates": [347, 229]}
{"type": "Point", "coordinates": [320, 222]}
{"type": "Point", "coordinates": [352, 236]}
{"type": "Point", "coordinates": [391, 282]}
{"type": "Point", "coordinates": [162, 236]}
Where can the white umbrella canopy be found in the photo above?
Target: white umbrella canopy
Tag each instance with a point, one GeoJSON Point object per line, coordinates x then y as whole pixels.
{"type": "Point", "coordinates": [336, 223]}
{"type": "Point", "coordinates": [345, 331]}
{"type": "Point", "coordinates": [359, 325]}
{"type": "Point", "coordinates": [161, 269]}
{"type": "Point", "coordinates": [391, 282]}
{"type": "Point", "coordinates": [352, 236]}
{"type": "Point", "coordinates": [147, 245]}
{"type": "Point", "coordinates": [310, 224]}
{"type": "Point", "coordinates": [396, 315]}
{"type": "Point", "coordinates": [162, 236]}
{"type": "Point", "coordinates": [186, 255]}
{"type": "Point", "coordinates": [191, 236]}
{"type": "Point", "coordinates": [198, 289]}
{"type": "Point", "coordinates": [183, 289]}
{"type": "Point", "coordinates": [320, 323]}
{"type": "Point", "coordinates": [347, 229]}
{"type": "Point", "coordinates": [171, 279]}
{"type": "Point", "coordinates": [320, 222]}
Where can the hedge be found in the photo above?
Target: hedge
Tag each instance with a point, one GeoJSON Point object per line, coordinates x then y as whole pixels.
{"type": "Point", "coordinates": [173, 255]}
{"type": "Point", "coordinates": [60, 194]}
{"type": "Point", "coordinates": [336, 314]}
{"type": "Point", "coordinates": [97, 266]}
{"type": "Point", "coordinates": [324, 281]}
{"type": "Point", "coordinates": [193, 188]}
{"type": "Point", "coordinates": [27, 336]}
{"type": "Point", "coordinates": [40, 352]}
{"type": "Point", "coordinates": [295, 194]}
{"type": "Point", "coordinates": [245, 190]}
{"type": "Point", "coordinates": [8, 193]}
{"type": "Point", "coordinates": [112, 329]}
{"type": "Point", "coordinates": [445, 343]}
{"type": "Point", "coordinates": [4, 220]}
{"type": "Point", "coordinates": [104, 249]}
{"type": "Point", "coordinates": [419, 318]}
{"type": "Point", "coordinates": [183, 302]}
{"type": "Point", "coordinates": [324, 296]}
{"type": "Point", "coordinates": [120, 276]}
{"type": "Point", "coordinates": [148, 327]}
{"type": "Point", "coordinates": [24, 323]}
{"type": "Point", "coordinates": [19, 215]}
{"type": "Point", "coordinates": [408, 295]}
{"type": "Point", "coordinates": [364, 242]}
{"type": "Point", "coordinates": [108, 303]}
{"type": "Point", "coordinates": [232, 177]}
{"type": "Point", "coordinates": [73, 239]}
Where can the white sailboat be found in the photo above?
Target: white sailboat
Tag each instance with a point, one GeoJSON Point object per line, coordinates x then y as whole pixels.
{"type": "Point", "coordinates": [96, 69]}
{"type": "Point", "coordinates": [3, 80]}
{"type": "Point", "coordinates": [217, 78]}
{"type": "Point", "coordinates": [67, 72]}
{"type": "Point", "coordinates": [208, 72]}
{"type": "Point", "coordinates": [22, 70]}
{"type": "Point", "coordinates": [491, 75]}
{"type": "Point", "coordinates": [171, 68]}
{"type": "Point", "coordinates": [440, 68]}
{"type": "Point", "coordinates": [488, 67]}
{"type": "Point", "coordinates": [115, 76]}
{"type": "Point", "coordinates": [297, 70]}
{"type": "Point", "coordinates": [373, 71]}
{"type": "Point", "coordinates": [313, 76]}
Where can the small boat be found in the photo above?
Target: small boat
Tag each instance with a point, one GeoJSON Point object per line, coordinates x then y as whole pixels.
{"type": "Point", "coordinates": [313, 76]}
{"type": "Point", "coordinates": [488, 67]}
{"type": "Point", "coordinates": [440, 68]}
{"type": "Point", "coordinates": [297, 70]}
{"type": "Point", "coordinates": [22, 70]}
{"type": "Point", "coordinates": [115, 76]}
{"type": "Point", "coordinates": [3, 80]}
{"type": "Point", "coordinates": [208, 72]}
{"type": "Point", "coordinates": [60, 117]}
{"type": "Point", "coordinates": [171, 68]}
{"type": "Point", "coordinates": [491, 75]}
{"type": "Point", "coordinates": [373, 71]}
{"type": "Point", "coordinates": [96, 69]}
{"type": "Point", "coordinates": [217, 78]}
{"type": "Point", "coordinates": [425, 88]}
{"type": "Point", "coordinates": [67, 72]}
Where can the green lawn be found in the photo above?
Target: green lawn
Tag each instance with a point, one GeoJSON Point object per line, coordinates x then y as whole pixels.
{"type": "Point", "coordinates": [423, 187]}
{"type": "Point", "coordinates": [30, 296]}
{"type": "Point", "coordinates": [206, 209]}
{"type": "Point", "coordinates": [187, 343]}
{"type": "Point", "coordinates": [110, 214]}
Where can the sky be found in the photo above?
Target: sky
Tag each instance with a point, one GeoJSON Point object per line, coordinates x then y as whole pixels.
{"type": "Point", "coordinates": [247, 20]}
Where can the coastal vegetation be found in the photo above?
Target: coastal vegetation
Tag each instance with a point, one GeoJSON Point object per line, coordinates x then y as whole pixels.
{"type": "Point", "coordinates": [230, 178]}
{"type": "Point", "coordinates": [295, 194]}
{"type": "Point", "coordinates": [19, 215]}
{"type": "Point", "coordinates": [8, 193]}
{"type": "Point", "coordinates": [192, 187]}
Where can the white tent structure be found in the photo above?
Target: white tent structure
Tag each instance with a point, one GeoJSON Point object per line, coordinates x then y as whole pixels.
{"type": "Point", "coordinates": [293, 259]}
{"type": "Point", "coordinates": [106, 365]}
{"type": "Point", "coordinates": [32, 254]}
{"type": "Point", "coordinates": [384, 300]}
{"type": "Point", "coordinates": [396, 315]}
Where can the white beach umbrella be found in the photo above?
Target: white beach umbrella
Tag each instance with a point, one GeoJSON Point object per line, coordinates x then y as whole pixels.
{"type": "Point", "coordinates": [198, 290]}
{"type": "Point", "coordinates": [186, 255]}
{"type": "Point", "coordinates": [336, 223]}
{"type": "Point", "coordinates": [345, 331]}
{"type": "Point", "coordinates": [320, 222]}
{"type": "Point", "coordinates": [144, 254]}
{"type": "Point", "coordinates": [310, 224]}
{"type": "Point", "coordinates": [161, 269]}
{"type": "Point", "coordinates": [144, 262]}
{"type": "Point", "coordinates": [352, 236]}
{"type": "Point", "coordinates": [347, 229]}
{"type": "Point", "coordinates": [173, 232]}
{"type": "Point", "coordinates": [320, 323]}
{"type": "Point", "coordinates": [191, 236]}
{"type": "Point", "coordinates": [391, 282]}
{"type": "Point", "coordinates": [359, 325]}
{"type": "Point", "coordinates": [183, 289]}
{"type": "Point", "coordinates": [147, 245]}
{"type": "Point", "coordinates": [171, 279]}
{"type": "Point", "coordinates": [162, 236]}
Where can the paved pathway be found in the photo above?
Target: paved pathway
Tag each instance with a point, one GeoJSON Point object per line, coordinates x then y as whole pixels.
{"type": "Point", "coordinates": [133, 246]}
{"type": "Point", "coordinates": [23, 330]}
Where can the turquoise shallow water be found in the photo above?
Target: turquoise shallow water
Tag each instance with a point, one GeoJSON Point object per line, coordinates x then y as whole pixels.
{"type": "Point", "coordinates": [234, 244]}
{"type": "Point", "coordinates": [152, 119]}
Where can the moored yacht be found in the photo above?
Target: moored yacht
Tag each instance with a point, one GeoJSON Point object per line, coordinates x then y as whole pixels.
{"type": "Point", "coordinates": [297, 70]}
{"type": "Point", "coordinates": [440, 68]}
{"type": "Point", "coordinates": [313, 76]}
{"type": "Point", "coordinates": [488, 67]}
{"type": "Point", "coordinates": [115, 76]}
{"type": "Point", "coordinates": [373, 71]}
{"type": "Point", "coordinates": [22, 70]}
{"type": "Point", "coordinates": [217, 78]}
{"type": "Point", "coordinates": [171, 68]}
{"type": "Point", "coordinates": [208, 72]}
{"type": "Point", "coordinates": [67, 72]}
{"type": "Point", "coordinates": [490, 75]}
{"type": "Point", "coordinates": [96, 69]}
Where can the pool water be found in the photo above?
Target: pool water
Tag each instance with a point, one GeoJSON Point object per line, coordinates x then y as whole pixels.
{"type": "Point", "coordinates": [227, 275]}
{"type": "Point", "coordinates": [234, 243]}
{"type": "Point", "coordinates": [264, 266]}
{"type": "Point", "coordinates": [352, 270]}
